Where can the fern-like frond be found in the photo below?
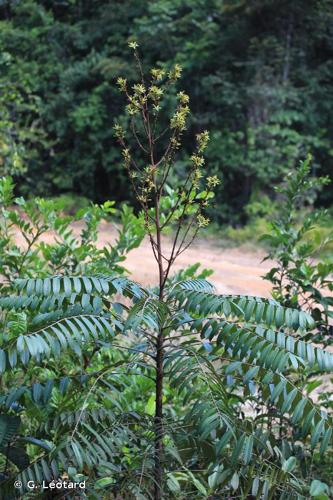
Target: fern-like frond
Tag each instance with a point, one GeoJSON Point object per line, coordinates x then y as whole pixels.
{"type": "Point", "coordinates": [94, 445]}
{"type": "Point", "coordinates": [67, 285]}
{"type": "Point", "coordinates": [54, 339]}
{"type": "Point", "coordinates": [148, 312]}
{"type": "Point", "coordinates": [288, 399]}
{"type": "Point", "coordinates": [306, 417]}
{"type": "Point", "coordinates": [245, 308]}
{"type": "Point", "coordinates": [43, 304]}
{"type": "Point", "coordinates": [241, 446]}
{"type": "Point", "coordinates": [272, 349]}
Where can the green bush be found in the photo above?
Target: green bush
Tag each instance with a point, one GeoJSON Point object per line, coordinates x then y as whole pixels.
{"type": "Point", "coordinates": [97, 391]}
{"type": "Point", "coordinates": [250, 234]}
{"type": "Point", "coordinates": [298, 279]}
{"type": "Point", "coordinates": [24, 225]}
{"type": "Point", "coordinates": [169, 392]}
{"type": "Point", "coordinates": [258, 73]}
{"type": "Point", "coordinates": [71, 203]}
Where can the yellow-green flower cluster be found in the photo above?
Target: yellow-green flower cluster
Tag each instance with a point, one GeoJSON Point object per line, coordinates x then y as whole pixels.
{"type": "Point", "coordinates": [202, 140]}
{"type": "Point", "coordinates": [122, 83]}
{"type": "Point", "coordinates": [155, 93]}
{"type": "Point", "coordinates": [133, 107]}
{"type": "Point", "coordinates": [175, 72]}
{"type": "Point", "coordinates": [183, 98]}
{"type": "Point", "coordinates": [197, 160]}
{"type": "Point", "coordinates": [119, 131]}
{"type": "Point", "coordinates": [142, 199]}
{"type": "Point", "coordinates": [175, 143]}
{"type": "Point", "coordinates": [141, 100]}
{"type": "Point", "coordinates": [133, 45]}
{"type": "Point", "coordinates": [202, 220]}
{"type": "Point", "coordinates": [137, 100]}
{"type": "Point", "coordinates": [127, 157]}
{"type": "Point", "coordinates": [213, 181]}
{"type": "Point", "coordinates": [148, 178]}
{"type": "Point", "coordinates": [197, 175]}
{"type": "Point", "coordinates": [139, 89]}
{"type": "Point", "coordinates": [178, 120]}
{"type": "Point", "coordinates": [157, 74]}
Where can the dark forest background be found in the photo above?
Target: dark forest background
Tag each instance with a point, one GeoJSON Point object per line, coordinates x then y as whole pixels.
{"type": "Point", "coordinates": [259, 76]}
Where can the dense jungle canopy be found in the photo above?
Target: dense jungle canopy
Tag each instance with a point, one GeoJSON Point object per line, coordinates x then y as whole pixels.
{"type": "Point", "coordinates": [258, 72]}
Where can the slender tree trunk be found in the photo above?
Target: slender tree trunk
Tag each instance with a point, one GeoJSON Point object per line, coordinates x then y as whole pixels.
{"type": "Point", "coordinates": [159, 431]}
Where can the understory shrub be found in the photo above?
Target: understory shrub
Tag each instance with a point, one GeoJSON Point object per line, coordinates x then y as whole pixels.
{"type": "Point", "coordinates": [173, 391]}
{"type": "Point", "coordinates": [38, 239]}
{"type": "Point", "coordinates": [299, 277]}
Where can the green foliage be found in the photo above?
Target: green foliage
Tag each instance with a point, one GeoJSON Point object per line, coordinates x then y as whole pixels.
{"type": "Point", "coordinates": [301, 279]}
{"type": "Point", "coordinates": [298, 279]}
{"type": "Point", "coordinates": [258, 75]}
{"type": "Point", "coordinates": [175, 391]}
{"type": "Point", "coordinates": [249, 234]}
{"type": "Point", "coordinates": [37, 239]}
{"type": "Point", "coordinates": [69, 204]}
{"type": "Point", "coordinates": [19, 139]}
{"type": "Point", "coordinates": [166, 204]}
{"type": "Point", "coordinates": [77, 363]}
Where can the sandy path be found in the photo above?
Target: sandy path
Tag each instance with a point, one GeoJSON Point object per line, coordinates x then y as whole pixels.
{"type": "Point", "coordinates": [236, 270]}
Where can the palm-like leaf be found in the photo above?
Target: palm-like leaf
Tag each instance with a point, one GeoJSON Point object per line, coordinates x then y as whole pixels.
{"type": "Point", "coordinates": [219, 351]}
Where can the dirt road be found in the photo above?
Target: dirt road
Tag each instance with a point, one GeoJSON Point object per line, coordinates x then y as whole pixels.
{"type": "Point", "coordinates": [236, 270]}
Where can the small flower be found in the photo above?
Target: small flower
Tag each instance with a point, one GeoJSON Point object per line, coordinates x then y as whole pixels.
{"type": "Point", "coordinates": [178, 120]}
{"type": "Point", "coordinates": [175, 72]}
{"type": "Point", "coordinates": [133, 45]}
{"type": "Point", "coordinates": [184, 98]}
{"type": "Point", "coordinates": [198, 161]}
{"type": "Point", "coordinates": [150, 186]}
{"type": "Point", "coordinates": [119, 131]}
{"type": "Point", "coordinates": [197, 175]}
{"type": "Point", "coordinates": [213, 181]}
{"type": "Point", "coordinates": [157, 73]}
{"type": "Point", "coordinates": [139, 88]}
{"type": "Point", "coordinates": [134, 106]}
{"type": "Point", "coordinates": [121, 82]}
{"type": "Point", "coordinates": [126, 154]}
{"type": "Point", "coordinates": [175, 143]}
{"type": "Point", "coordinates": [202, 220]}
{"type": "Point", "coordinates": [142, 199]}
{"type": "Point", "coordinates": [155, 93]}
{"type": "Point", "coordinates": [202, 140]}
{"type": "Point", "coordinates": [132, 110]}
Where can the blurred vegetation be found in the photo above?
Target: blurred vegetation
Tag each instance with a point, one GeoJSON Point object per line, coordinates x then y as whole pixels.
{"type": "Point", "coordinates": [38, 239]}
{"type": "Point", "coordinates": [172, 391]}
{"type": "Point", "coordinates": [99, 372]}
{"type": "Point", "coordinates": [258, 75]}
{"type": "Point", "coordinates": [299, 281]}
